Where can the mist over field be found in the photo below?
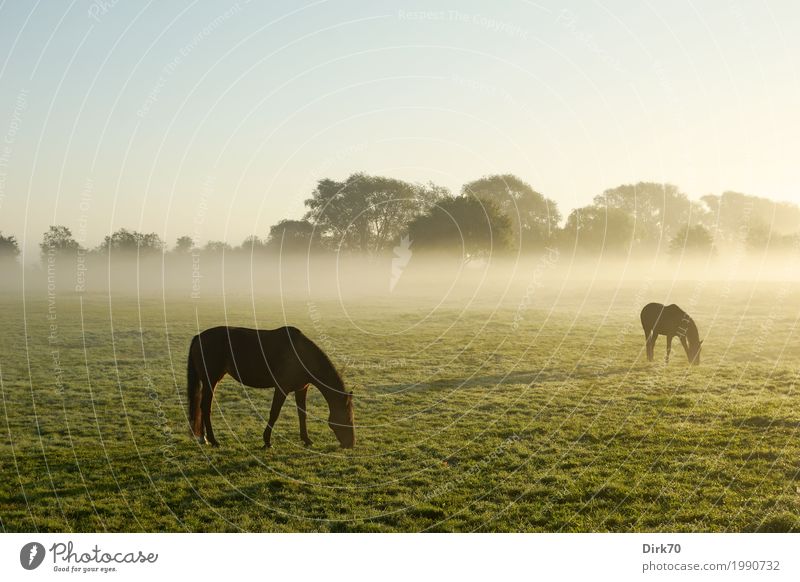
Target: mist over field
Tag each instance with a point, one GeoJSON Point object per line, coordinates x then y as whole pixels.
{"type": "Point", "coordinates": [510, 395]}
{"type": "Point", "coordinates": [388, 277]}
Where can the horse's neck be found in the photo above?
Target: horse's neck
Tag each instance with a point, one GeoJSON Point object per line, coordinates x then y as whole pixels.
{"type": "Point", "coordinates": [322, 374]}
{"type": "Point", "coordinates": [331, 387]}
{"type": "Point", "coordinates": [691, 332]}
{"type": "Point", "coordinates": [334, 398]}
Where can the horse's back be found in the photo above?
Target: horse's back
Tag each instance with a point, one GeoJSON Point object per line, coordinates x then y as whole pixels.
{"type": "Point", "coordinates": [674, 313]}
{"type": "Point", "coordinates": [243, 336]}
{"type": "Point", "coordinates": [661, 318]}
{"type": "Point", "coordinates": [255, 357]}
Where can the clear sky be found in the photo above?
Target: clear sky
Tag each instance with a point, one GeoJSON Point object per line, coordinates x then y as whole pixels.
{"type": "Point", "coordinates": [214, 119]}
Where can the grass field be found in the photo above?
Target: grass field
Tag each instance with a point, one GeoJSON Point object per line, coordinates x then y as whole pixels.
{"type": "Point", "coordinates": [530, 411]}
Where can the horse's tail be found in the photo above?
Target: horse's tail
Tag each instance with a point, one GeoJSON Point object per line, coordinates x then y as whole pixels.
{"type": "Point", "coordinates": [194, 391]}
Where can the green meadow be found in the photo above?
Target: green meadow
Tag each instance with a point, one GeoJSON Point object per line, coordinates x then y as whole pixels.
{"type": "Point", "coordinates": [528, 408]}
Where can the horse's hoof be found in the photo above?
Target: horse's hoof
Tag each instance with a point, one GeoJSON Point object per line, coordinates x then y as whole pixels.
{"type": "Point", "coordinates": [201, 440]}
{"type": "Point", "coordinates": [308, 443]}
{"type": "Point", "coordinates": [215, 444]}
{"type": "Point", "coordinates": [267, 446]}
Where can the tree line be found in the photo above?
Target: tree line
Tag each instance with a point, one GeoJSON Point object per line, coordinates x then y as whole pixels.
{"type": "Point", "coordinates": [371, 215]}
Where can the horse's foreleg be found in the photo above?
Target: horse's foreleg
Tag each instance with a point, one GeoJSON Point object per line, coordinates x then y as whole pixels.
{"type": "Point", "coordinates": [277, 404]}
{"type": "Point", "coordinates": [669, 348]}
{"type": "Point", "coordinates": [208, 397]}
{"type": "Point", "coordinates": [300, 400]}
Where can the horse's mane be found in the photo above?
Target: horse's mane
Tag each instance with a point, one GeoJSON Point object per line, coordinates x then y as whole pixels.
{"type": "Point", "coordinates": [692, 333]}
{"type": "Point", "coordinates": [327, 372]}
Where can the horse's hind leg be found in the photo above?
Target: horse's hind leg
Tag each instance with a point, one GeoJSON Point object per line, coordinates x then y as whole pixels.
{"type": "Point", "coordinates": [277, 404]}
{"type": "Point", "coordinates": [208, 397]}
{"type": "Point", "coordinates": [300, 400]}
{"type": "Point", "coordinates": [669, 348]}
{"type": "Point", "coordinates": [650, 343]}
{"type": "Point", "coordinates": [197, 421]}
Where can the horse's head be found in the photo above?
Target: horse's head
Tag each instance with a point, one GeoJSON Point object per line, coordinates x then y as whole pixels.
{"type": "Point", "coordinates": [694, 357]}
{"type": "Point", "coordinates": [342, 423]}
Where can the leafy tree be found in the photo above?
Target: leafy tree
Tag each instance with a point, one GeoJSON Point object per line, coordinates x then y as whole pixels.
{"type": "Point", "coordinates": [9, 248]}
{"type": "Point", "coordinates": [733, 214]}
{"type": "Point", "coordinates": [534, 218]}
{"type": "Point", "coordinates": [367, 213]}
{"type": "Point", "coordinates": [465, 224]}
{"type": "Point", "coordinates": [184, 244]}
{"type": "Point", "coordinates": [150, 243]}
{"type": "Point", "coordinates": [293, 236]}
{"type": "Point", "coordinates": [598, 229]}
{"type": "Point", "coordinates": [252, 244]}
{"type": "Point", "coordinates": [58, 239]}
{"type": "Point", "coordinates": [760, 238]}
{"type": "Point", "coordinates": [132, 242]}
{"type": "Point", "coordinates": [692, 240]}
{"type": "Point", "coordinates": [122, 240]}
{"type": "Point", "coordinates": [658, 210]}
{"type": "Point", "coordinates": [217, 246]}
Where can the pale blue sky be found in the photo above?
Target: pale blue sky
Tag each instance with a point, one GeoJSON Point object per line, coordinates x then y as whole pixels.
{"type": "Point", "coordinates": [146, 103]}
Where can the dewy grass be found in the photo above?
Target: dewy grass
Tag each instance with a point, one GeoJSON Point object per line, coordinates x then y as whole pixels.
{"type": "Point", "coordinates": [469, 419]}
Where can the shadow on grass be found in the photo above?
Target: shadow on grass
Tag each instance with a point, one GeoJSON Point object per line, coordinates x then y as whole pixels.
{"type": "Point", "coordinates": [521, 377]}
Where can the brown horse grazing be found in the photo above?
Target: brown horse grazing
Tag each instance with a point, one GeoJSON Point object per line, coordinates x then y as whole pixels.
{"type": "Point", "coordinates": [670, 321]}
{"type": "Point", "coordinates": [283, 358]}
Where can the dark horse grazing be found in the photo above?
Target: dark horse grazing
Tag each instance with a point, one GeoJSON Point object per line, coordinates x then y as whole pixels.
{"type": "Point", "coordinates": [670, 321]}
{"type": "Point", "coordinates": [283, 358]}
